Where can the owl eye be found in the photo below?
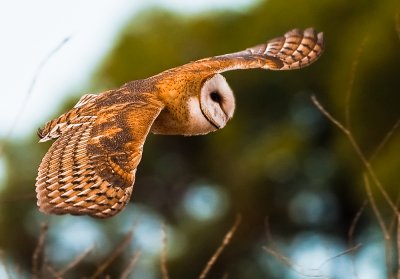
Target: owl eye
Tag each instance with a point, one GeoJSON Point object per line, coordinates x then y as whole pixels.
{"type": "Point", "coordinates": [215, 96]}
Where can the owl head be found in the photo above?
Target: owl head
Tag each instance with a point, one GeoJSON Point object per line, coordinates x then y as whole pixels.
{"type": "Point", "coordinates": [217, 105]}
{"type": "Point", "coordinates": [203, 107]}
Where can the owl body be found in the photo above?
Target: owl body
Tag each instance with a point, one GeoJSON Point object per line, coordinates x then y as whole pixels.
{"type": "Point", "coordinates": [90, 168]}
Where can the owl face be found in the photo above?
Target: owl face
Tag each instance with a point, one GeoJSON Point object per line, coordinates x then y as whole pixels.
{"type": "Point", "coordinates": [212, 107]}
{"type": "Point", "coordinates": [208, 106]}
{"type": "Point", "coordinates": [217, 102]}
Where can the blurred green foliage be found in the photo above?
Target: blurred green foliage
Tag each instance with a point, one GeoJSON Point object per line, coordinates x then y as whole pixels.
{"type": "Point", "coordinates": [278, 158]}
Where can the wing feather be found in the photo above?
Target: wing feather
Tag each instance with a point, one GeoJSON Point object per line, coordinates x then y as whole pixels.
{"type": "Point", "coordinates": [54, 128]}
{"type": "Point", "coordinates": [90, 169]}
{"type": "Point", "coordinates": [296, 49]}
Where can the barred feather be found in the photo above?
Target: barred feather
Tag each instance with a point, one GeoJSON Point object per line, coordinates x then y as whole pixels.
{"type": "Point", "coordinates": [67, 181]}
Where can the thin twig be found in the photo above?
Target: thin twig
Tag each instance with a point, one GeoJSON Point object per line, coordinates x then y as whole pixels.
{"type": "Point", "coordinates": [355, 221]}
{"type": "Point", "coordinates": [375, 207]}
{"type": "Point", "coordinates": [164, 255]}
{"type": "Point", "coordinates": [299, 270]}
{"type": "Point", "coordinates": [117, 251]}
{"type": "Point", "coordinates": [392, 225]}
{"type": "Point", "coordinates": [385, 140]}
{"type": "Point", "coordinates": [268, 233]}
{"type": "Point", "coordinates": [218, 252]}
{"type": "Point", "coordinates": [328, 115]}
{"type": "Point", "coordinates": [76, 261]}
{"type": "Point", "coordinates": [33, 83]}
{"type": "Point", "coordinates": [274, 251]}
{"type": "Point", "coordinates": [351, 234]}
{"type": "Point", "coordinates": [351, 82]}
{"type": "Point", "coordinates": [283, 259]}
{"type": "Point", "coordinates": [51, 270]}
{"type": "Point", "coordinates": [39, 249]}
{"type": "Point", "coordinates": [386, 234]}
{"type": "Point", "coordinates": [350, 250]}
{"type": "Point", "coordinates": [360, 154]}
{"type": "Point", "coordinates": [30, 89]}
{"type": "Point", "coordinates": [132, 263]}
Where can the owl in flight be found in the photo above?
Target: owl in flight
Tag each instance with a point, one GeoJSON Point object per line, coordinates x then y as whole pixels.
{"type": "Point", "coordinates": [90, 169]}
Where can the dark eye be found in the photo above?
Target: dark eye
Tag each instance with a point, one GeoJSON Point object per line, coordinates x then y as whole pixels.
{"type": "Point", "coordinates": [215, 96]}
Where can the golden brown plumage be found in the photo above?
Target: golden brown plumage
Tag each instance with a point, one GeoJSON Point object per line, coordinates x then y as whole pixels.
{"type": "Point", "coordinates": [90, 168]}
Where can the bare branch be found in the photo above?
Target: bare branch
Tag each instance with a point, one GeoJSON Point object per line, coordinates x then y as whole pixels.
{"type": "Point", "coordinates": [30, 89]}
{"type": "Point", "coordinates": [350, 250]}
{"type": "Point", "coordinates": [163, 256]}
{"type": "Point", "coordinates": [75, 262]}
{"type": "Point", "coordinates": [329, 116]}
{"type": "Point", "coordinates": [282, 258]}
{"type": "Point", "coordinates": [355, 222]}
{"type": "Point", "coordinates": [36, 270]}
{"type": "Point", "coordinates": [351, 234]}
{"type": "Point", "coordinates": [351, 81]}
{"type": "Point", "coordinates": [311, 273]}
{"type": "Point", "coordinates": [117, 251]}
{"type": "Point", "coordinates": [392, 225]}
{"type": "Point", "coordinates": [132, 263]}
{"type": "Point", "coordinates": [218, 252]}
{"type": "Point", "coordinates": [274, 251]}
{"type": "Point", "coordinates": [375, 208]}
{"type": "Point", "coordinates": [360, 154]}
{"type": "Point", "coordinates": [51, 270]}
{"type": "Point", "coordinates": [386, 139]}
{"type": "Point", "coordinates": [386, 234]}
{"type": "Point", "coordinates": [268, 233]}
{"type": "Point", "coordinates": [33, 83]}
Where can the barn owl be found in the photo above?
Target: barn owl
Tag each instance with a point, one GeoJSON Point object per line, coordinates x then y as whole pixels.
{"type": "Point", "coordinates": [91, 166]}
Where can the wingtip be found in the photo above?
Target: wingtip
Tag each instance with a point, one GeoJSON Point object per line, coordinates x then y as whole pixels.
{"type": "Point", "coordinates": [299, 48]}
{"type": "Point", "coordinates": [39, 133]}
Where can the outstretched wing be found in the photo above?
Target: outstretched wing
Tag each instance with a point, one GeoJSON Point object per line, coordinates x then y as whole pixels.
{"type": "Point", "coordinates": [296, 49]}
{"type": "Point", "coordinates": [90, 169]}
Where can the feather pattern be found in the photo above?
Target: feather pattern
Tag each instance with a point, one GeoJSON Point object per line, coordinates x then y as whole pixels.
{"type": "Point", "coordinates": [295, 50]}
{"type": "Point", "coordinates": [90, 169]}
{"type": "Point", "coordinates": [91, 166]}
{"type": "Point", "coordinates": [68, 182]}
{"type": "Point", "coordinates": [53, 129]}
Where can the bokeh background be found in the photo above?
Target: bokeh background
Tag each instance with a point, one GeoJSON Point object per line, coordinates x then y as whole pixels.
{"type": "Point", "coordinates": [279, 161]}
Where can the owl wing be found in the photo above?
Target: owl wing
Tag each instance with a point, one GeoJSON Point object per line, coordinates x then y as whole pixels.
{"type": "Point", "coordinates": [90, 169]}
{"type": "Point", "coordinates": [296, 49]}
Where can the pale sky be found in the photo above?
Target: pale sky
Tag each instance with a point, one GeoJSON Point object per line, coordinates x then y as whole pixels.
{"type": "Point", "coordinates": [30, 30]}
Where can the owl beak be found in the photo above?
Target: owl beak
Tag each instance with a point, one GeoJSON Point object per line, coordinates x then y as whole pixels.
{"type": "Point", "coordinates": [209, 119]}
